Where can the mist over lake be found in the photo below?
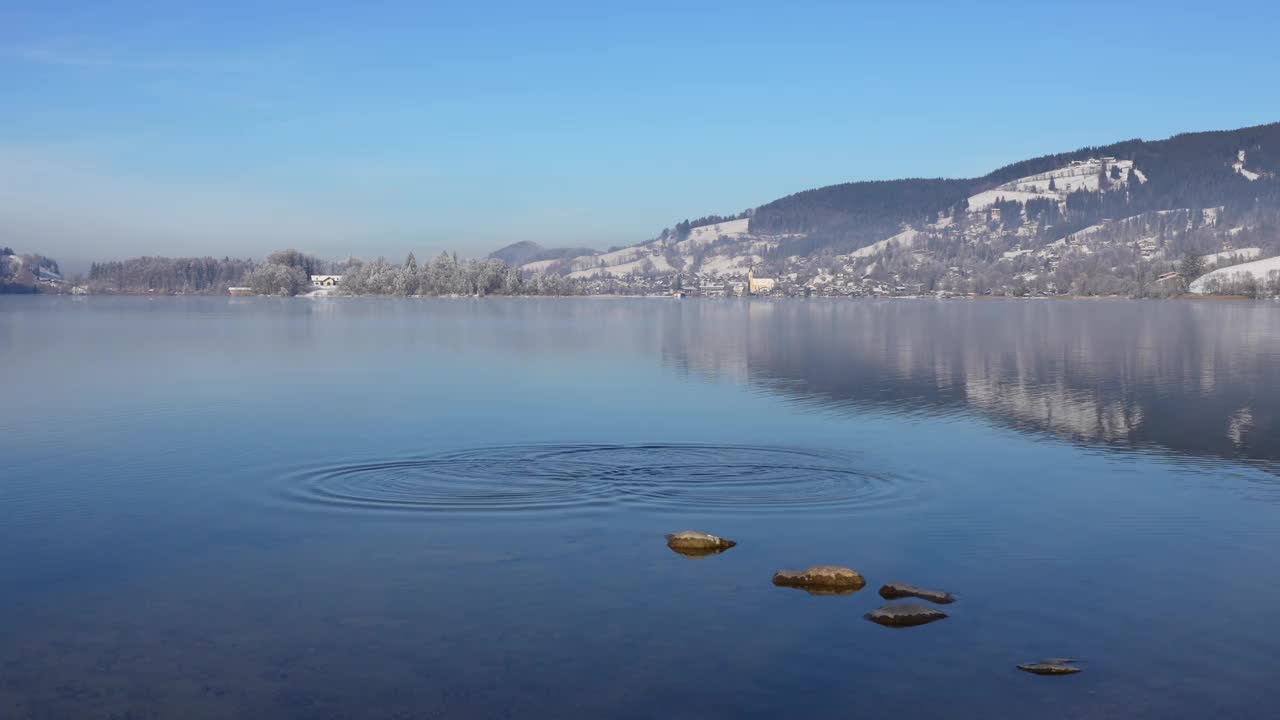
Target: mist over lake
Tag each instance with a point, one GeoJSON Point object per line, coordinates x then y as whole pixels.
{"type": "Point", "coordinates": [219, 507]}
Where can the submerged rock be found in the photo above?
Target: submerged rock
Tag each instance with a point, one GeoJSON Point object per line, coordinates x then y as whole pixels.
{"type": "Point", "coordinates": [905, 615]}
{"type": "Point", "coordinates": [1051, 666]}
{"type": "Point", "coordinates": [692, 543]}
{"type": "Point", "coordinates": [897, 591]}
{"type": "Point", "coordinates": [822, 580]}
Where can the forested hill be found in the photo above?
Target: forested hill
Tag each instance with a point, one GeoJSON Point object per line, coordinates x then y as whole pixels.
{"type": "Point", "coordinates": [1110, 219]}
{"type": "Point", "coordinates": [1184, 171]}
{"type": "Point", "coordinates": [26, 273]}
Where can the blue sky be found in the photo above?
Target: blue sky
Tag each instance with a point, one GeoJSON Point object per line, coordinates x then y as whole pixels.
{"type": "Point", "coordinates": [238, 127]}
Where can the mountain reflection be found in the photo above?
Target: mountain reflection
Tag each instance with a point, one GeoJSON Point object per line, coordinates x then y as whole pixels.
{"type": "Point", "coordinates": [1199, 378]}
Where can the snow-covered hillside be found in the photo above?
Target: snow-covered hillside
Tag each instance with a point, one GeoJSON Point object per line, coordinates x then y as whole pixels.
{"type": "Point", "coordinates": [1239, 167]}
{"type": "Point", "coordinates": [728, 249]}
{"type": "Point", "coordinates": [1260, 271]}
{"type": "Point", "coordinates": [1057, 184]}
{"type": "Point", "coordinates": [1025, 254]}
{"type": "Point", "coordinates": [724, 248]}
{"type": "Point", "coordinates": [708, 234]}
{"type": "Point", "coordinates": [1231, 257]}
{"type": "Point", "coordinates": [1115, 220]}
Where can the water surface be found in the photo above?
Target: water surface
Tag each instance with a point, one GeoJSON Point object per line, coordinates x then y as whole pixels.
{"type": "Point", "coordinates": [368, 508]}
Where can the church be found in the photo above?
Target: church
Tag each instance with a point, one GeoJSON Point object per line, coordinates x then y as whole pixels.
{"type": "Point", "coordinates": [758, 285]}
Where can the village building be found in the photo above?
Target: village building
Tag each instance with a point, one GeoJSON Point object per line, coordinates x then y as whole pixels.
{"type": "Point", "coordinates": [326, 281]}
{"type": "Point", "coordinates": [759, 286]}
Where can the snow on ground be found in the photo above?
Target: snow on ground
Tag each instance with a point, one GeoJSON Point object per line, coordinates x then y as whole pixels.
{"type": "Point", "coordinates": [1239, 254]}
{"type": "Point", "coordinates": [588, 265]}
{"type": "Point", "coordinates": [1076, 176]}
{"type": "Point", "coordinates": [1083, 233]}
{"type": "Point", "coordinates": [1248, 174]}
{"type": "Point", "coordinates": [1210, 215]}
{"type": "Point", "coordinates": [538, 265]}
{"type": "Point", "coordinates": [728, 264]}
{"type": "Point", "coordinates": [905, 239]}
{"type": "Point", "coordinates": [986, 199]}
{"type": "Point", "coordinates": [1239, 167]}
{"type": "Point", "coordinates": [637, 257]}
{"type": "Point", "coordinates": [707, 234]}
{"type": "Point", "coordinates": [1260, 270]}
{"type": "Point", "coordinates": [635, 262]}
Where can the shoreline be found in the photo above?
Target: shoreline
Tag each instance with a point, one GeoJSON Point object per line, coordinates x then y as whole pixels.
{"type": "Point", "coordinates": [336, 296]}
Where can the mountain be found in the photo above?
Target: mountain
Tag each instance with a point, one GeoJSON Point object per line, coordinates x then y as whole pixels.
{"type": "Point", "coordinates": [1111, 219]}
{"type": "Point", "coordinates": [525, 251]}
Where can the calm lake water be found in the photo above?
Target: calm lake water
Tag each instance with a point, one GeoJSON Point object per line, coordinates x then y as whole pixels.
{"type": "Point", "coordinates": [261, 508]}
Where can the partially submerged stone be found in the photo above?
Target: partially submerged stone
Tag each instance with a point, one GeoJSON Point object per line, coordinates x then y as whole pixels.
{"type": "Point", "coordinates": [897, 591]}
{"type": "Point", "coordinates": [822, 580]}
{"type": "Point", "coordinates": [692, 543]}
{"type": "Point", "coordinates": [905, 615]}
{"type": "Point", "coordinates": [1051, 666]}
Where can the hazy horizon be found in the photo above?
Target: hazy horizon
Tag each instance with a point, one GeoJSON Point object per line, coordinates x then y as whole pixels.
{"type": "Point", "coordinates": [237, 130]}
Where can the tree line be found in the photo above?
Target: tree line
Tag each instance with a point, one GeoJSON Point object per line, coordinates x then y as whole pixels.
{"type": "Point", "coordinates": [447, 275]}
{"type": "Point", "coordinates": [288, 272]}
{"type": "Point", "coordinates": [187, 275]}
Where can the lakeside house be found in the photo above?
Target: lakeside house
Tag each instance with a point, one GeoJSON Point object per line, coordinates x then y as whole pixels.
{"type": "Point", "coordinates": [326, 281]}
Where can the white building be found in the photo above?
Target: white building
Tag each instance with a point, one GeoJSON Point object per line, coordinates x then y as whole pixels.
{"type": "Point", "coordinates": [326, 281]}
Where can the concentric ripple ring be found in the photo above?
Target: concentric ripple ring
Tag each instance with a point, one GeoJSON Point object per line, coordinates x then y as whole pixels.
{"type": "Point", "coordinates": [677, 477]}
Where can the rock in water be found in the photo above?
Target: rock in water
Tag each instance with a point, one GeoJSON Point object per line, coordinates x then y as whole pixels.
{"type": "Point", "coordinates": [821, 580]}
{"type": "Point", "coordinates": [905, 615]}
{"type": "Point", "coordinates": [692, 543]}
{"type": "Point", "coordinates": [897, 591]}
{"type": "Point", "coordinates": [1052, 666]}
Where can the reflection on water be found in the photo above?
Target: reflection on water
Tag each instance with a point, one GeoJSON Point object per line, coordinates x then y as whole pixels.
{"type": "Point", "coordinates": [375, 508]}
{"type": "Point", "coordinates": [1197, 378]}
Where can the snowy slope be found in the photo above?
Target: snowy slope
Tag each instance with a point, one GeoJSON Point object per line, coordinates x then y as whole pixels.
{"type": "Point", "coordinates": [905, 239]}
{"type": "Point", "coordinates": [1260, 270]}
{"type": "Point", "coordinates": [1235, 256]}
{"type": "Point", "coordinates": [707, 234]}
{"type": "Point", "coordinates": [1076, 176]}
{"type": "Point", "coordinates": [619, 262]}
{"type": "Point", "coordinates": [720, 248]}
{"type": "Point", "coordinates": [1239, 167]}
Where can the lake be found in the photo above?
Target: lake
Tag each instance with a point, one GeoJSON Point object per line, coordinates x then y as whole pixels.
{"type": "Point", "coordinates": [378, 508]}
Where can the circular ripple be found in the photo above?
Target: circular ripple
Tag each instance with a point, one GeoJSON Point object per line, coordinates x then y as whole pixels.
{"type": "Point", "coordinates": [551, 477]}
